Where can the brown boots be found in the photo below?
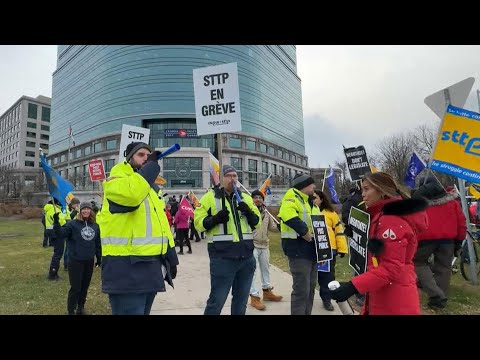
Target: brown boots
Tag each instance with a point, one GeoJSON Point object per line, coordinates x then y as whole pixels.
{"type": "Point", "coordinates": [268, 295]}
{"type": "Point", "coordinates": [256, 302]}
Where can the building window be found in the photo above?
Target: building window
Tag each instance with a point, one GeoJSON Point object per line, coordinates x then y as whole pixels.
{"type": "Point", "coordinates": [282, 172]}
{"type": "Point", "coordinates": [263, 148]}
{"type": "Point", "coordinates": [294, 158]}
{"type": "Point", "coordinates": [237, 164]}
{"type": "Point", "coordinates": [251, 144]}
{"type": "Point", "coordinates": [30, 163]}
{"type": "Point", "coordinates": [45, 127]}
{"type": "Point", "coordinates": [280, 153]}
{"type": "Point", "coordinates": [31, 125]}
{"type": "Point", "coordinates": [252, 173]}
{"type": "Point", "coordinates": [45, 114]}
{"type": "Point", "coordinates": [30, 153]}
{"type": "Point", "coordinates": [182, 172]}
{"type": "Point", "coordinates": [264, 167]}
{"type": "Point", "coordinates": [271, 150]}
{"type": "Point", "coordinates": [78, 153]}
{"type": "Point", "coordinates": [111, 144]}
{"type": "Point", "coordinates": [31, 144]}
{"type": "Point", "coordinates": [88, 150]}
{"type": "Point", "coordinates": [31, 134]}
{"type": "Point", "coordinates": [97, 147]}
{"type": "Point", "coordinates": [44, 137]}
{"type": "Point", "coordinates": [44, 146]}
{"type": "Point", "coordinates": [86, 176]}
{"type": "Point", "coordinates": [274, 169]}
{"type": "Point", "coordinates": [63, 158]}
{"type": "Point", "coordinates": [108, 166]}
{"type": "Point", "coordinates": [235, 142]}
{"type": "Point", "coordinates": [32, 111]}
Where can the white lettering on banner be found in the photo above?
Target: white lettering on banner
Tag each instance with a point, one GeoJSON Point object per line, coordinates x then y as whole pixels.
{"type": "Point", "coordinates": [355, 153]}
{"type": "Point", "coordinates": [357, 247]}
{"type": "Point", "coordinates": [357, 224]}
{"type": "Point", "coordinates": [358, 166]}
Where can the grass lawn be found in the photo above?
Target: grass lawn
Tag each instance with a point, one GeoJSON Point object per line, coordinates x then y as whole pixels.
{"type": "Point", "coordinates": [464, 298]}
{"type": "Point", "coordinates": [25, 290]}
{"type": "Point", "coordinates": [24, 265]}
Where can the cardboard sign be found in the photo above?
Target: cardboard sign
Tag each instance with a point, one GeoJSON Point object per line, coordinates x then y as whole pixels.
{"type": "Point", "coordinates": [217, 99]}
{"type": "Point", "coordinates": [357, 162]}
{"type": "Point", "coordinates": [132, 134]}
{"type": "Point", "coordinates": [359, 222]}
{"type": "Point", "coordinates": [96, 170]}
{"type": "Point", "coordinates": [322, 242]}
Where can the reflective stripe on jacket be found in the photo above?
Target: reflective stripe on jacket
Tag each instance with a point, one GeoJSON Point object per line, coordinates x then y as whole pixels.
{"type": "Point", "coordinates": [143, 231]}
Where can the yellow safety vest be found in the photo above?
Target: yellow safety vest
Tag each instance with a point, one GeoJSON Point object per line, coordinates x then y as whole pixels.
{"type": "Point", "coordinates": [295, 204]}
{"type": "Point", "coordinates": [144, 231]}
{"type": "Point", "coordinates": [217, 233]}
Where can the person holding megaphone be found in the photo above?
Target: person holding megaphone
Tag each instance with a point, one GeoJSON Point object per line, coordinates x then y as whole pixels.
{"type": "Point", "coordinates": [229, 217]}
{"type": "Point", "coordinates": [138, 251]}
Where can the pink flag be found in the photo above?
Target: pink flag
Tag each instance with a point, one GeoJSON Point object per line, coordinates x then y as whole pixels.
{"type": "Point", "coordinates": [185, 206]}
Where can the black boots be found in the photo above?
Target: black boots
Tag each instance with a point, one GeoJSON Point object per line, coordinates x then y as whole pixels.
{"type": "Point", "coordinates": [53, 274]}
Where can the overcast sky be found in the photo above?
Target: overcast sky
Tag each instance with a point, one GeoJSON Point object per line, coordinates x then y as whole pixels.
{"type": "Point", "coordinates": [352, 95]}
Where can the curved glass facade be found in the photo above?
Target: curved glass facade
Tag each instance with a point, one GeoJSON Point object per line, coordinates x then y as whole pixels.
{"type": "Point", "coordinates": [98, 88]}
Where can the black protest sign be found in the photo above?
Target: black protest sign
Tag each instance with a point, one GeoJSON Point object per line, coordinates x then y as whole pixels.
{"type": "Point", "coordinates": [322, 242]}
{"type": "Point", "coordinates": [359, 222]}
{"type": "Point", "coordinates": [357, 162]}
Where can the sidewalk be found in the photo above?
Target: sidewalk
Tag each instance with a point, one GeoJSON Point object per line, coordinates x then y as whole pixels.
{"type": "Point", "coordinates": [192, 287]}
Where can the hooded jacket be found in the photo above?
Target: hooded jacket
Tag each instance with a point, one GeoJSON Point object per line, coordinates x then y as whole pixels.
{"type": "Point", "coordinates": [391, 285]}
{"type": "Point", "coordinates": [445, 216]}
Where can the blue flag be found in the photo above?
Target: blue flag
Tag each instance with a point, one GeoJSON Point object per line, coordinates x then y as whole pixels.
{"type": "Point", "coordinates": [415, 166]}
{"type": "Point", "coordinates": [269, 192]}
{"type": "Point", "coordinates": [58, 187]}
{"type": "Point", "coordinates": [330, 179]}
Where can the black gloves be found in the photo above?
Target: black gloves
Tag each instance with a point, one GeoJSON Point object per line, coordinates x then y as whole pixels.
{"type": "Point", "coordinates": [457, 247]}
{"type": "Point", "coordinates": [244, 208]}
{"type": "Point", "coordinates": [222, 217]}
{"type": "Point", "coordinates": [375, 246]}
{"type": "Point", "coordinates": [348, 231]}
{"type": "Point", "coordinates": [173, 271]}
{"type": "Point", "coordinates": [154, 156]}
{"type": "Point", "coordinates": [345, 291]}
{"type": "Point", "coordinates": [55, 218]}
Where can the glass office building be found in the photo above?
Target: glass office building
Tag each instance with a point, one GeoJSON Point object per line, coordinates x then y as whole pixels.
{"type": "Point", "coordinates": [98, 88]}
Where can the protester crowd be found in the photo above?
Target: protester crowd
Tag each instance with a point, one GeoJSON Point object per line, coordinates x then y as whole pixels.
{"type": "Point", "coordinates": [134, 235]}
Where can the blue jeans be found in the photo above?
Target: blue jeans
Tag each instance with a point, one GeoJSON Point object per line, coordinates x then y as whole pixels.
{"type": "Point", "coordinates": [226, 274]}
{"type": "Point", "coordinates": [262, 257]}
{"type": "Point", "coordinates": [132, 304]}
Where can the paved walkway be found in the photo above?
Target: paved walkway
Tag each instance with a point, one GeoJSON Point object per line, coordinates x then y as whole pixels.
{"type": "Point", "coordinates": [192, 287]}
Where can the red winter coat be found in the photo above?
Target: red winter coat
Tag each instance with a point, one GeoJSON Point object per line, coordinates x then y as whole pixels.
{"type": "Point", "coordinates": [391, 286]}
{"type": "Point", "coordinates": [445, 219]}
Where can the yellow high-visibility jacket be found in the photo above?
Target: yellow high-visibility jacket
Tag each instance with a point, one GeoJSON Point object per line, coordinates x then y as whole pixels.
{"type": "Point", "coordinates": [132, 220]}
{"type": "Point", "coordinates": [233, 239]}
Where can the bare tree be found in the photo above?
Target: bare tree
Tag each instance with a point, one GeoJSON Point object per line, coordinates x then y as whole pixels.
{"type": "Point", "coordinates": [343, 183]}
{"type": "Point", "coordinates": [394, 152]}
{"type": "Point", "coordinates": [424, 136]}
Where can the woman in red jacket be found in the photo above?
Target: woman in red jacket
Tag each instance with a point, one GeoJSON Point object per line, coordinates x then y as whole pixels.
{"type": "Point", "coordinates": [395, 221]}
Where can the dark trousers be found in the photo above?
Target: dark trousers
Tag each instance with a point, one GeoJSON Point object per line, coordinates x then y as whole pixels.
{"type": "Point", "coordinates": [324, 278]}
{"type": "Point", "coordinates": [226, 274]}
{"type": "Point", "coordinates": [80, 273]}
{"type": "Point", "coordinates": [132, 304]}
{"type": "Point", "coordinates": [58, 248]}
{"type": "Point", "coordinates": [46, 240]}
{"type": "Point", "coordinates": [436, 279]}
{"type": "Point", "coordinates": [65, 255]}
{"type": "Point", "coordinates": [194, 232]}
{"type": "Point", "coordinates": [182, 234]}
{"type": "Point", "coordinates": [304, 276]}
